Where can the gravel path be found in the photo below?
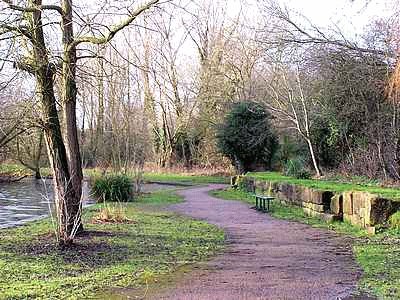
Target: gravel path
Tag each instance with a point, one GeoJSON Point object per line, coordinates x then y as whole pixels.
{"type": "Point", "coordinates": [265, 258]}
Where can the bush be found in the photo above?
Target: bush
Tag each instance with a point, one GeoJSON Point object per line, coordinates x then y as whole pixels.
{"type": "Point", "coordinates": [246, 137]}
{"type": "Point", "coordinates": [295, 168]}
{"type": "Point", "coordinates": [113, 187]}
{"type": "Point", "coordinates": [394, 221]}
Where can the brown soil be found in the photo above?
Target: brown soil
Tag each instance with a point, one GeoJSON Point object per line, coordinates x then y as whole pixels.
{"type": "Point", "coordinates": [265, 258]}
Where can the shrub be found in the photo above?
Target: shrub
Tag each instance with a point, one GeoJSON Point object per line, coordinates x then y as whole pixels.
{"type": "Point", "coordinates": [295, 168]}
{"type": "Point", "coordinates": [113, 187]}
{"type": "Point", "coordinates": [246, 137]}
{"type": "Point", "coordinates": [394, 221]}
{"type": "Point", "coordinates": [108, 214]}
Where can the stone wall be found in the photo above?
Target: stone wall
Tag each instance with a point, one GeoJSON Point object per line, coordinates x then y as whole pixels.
{"type": "Point", "coordinates": [358, 208]}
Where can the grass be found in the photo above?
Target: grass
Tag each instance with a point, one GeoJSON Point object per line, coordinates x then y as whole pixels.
{"type": "Point", "coordinates": [16, 170]}
{"type": "Point", "coordinates": [184, 178]}
{"type": "Point", "coordinates": [329, 185]}
{"type": "Point", "coordinates": [378, 256]}
{"type": "Point", "coordinates": [154, 243]}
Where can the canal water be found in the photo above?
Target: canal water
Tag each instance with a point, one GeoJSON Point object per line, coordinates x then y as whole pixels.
{"type": "Point", "coordinates": [30, 199]}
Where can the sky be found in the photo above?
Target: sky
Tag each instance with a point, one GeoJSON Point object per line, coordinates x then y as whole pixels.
{"type": "Point", "coordinates": [351, 16]}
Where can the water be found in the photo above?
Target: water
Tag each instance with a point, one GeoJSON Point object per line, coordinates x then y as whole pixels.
{"type": "Point", "coordinates": [29, 200]}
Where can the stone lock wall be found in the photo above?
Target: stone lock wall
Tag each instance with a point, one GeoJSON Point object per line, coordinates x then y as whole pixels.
{"type": "Point", "coordinates": [358, 208]}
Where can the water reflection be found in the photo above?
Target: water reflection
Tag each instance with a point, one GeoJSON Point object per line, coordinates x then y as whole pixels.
{"type": "Point", "coordinates": [28, 200]}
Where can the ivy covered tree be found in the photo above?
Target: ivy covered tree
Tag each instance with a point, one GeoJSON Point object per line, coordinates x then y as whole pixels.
{"type": "Point", "coordinates": [247, 138]}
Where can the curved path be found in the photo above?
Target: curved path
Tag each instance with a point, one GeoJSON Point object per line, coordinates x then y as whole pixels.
{"type": "Point", "coordinates": [265, 258]}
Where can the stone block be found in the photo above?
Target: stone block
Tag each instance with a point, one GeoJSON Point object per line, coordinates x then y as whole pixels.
{"type": "Point", "coordinates": [347, 218]}
{"type": "Point", "coordinates": [310, 195]}
{"type": "Point", "coordinates": [357, 203]}
{"type": "Point", "coordinates": [382, 209]}
{"type": "Point", "coordinates": [322, 216]}
{"type": "Point", "coordinates": [313, 206]}
{"type": "Point", "coordinates": [335, 204]}
{"type": "Point", "coordinates": [371, 230]}
{"type": "Point", "coordinates": [348, 203]}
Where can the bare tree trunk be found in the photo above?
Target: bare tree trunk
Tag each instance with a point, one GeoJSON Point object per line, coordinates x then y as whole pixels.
{"type": "Point", "coordinates": [44, 73]}
{"type": "Point", "coordinates": [69, 111]}
{"type": "Point", "coordinates": [313, 158]}
{"type": "Point", "coordinates": [64, 191]}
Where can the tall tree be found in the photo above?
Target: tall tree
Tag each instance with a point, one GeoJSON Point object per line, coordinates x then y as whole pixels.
{"type": "Point", "coordinates": [25, 24]}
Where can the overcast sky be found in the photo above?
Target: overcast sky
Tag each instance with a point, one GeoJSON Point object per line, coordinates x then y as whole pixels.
{"type": "Point", "coordinates": [350, 16]}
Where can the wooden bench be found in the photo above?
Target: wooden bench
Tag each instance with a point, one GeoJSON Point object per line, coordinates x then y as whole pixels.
{"type": "Point", "coordinates": [263, 202]}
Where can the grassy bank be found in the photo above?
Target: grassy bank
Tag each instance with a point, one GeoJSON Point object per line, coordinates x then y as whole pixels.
{"type": "Point", "coordinates": [184, 178]}
{"type": "Point", "coordinates": [150, 244]}
{"type": "Point", "coordinates": [379, 255]}
{"type": "Point", "coordinates": [16, 170]}
{"type": "Point", "coordinates": [329, 185]}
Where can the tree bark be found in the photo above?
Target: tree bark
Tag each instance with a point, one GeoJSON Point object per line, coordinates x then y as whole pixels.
{"type": "Point", "coordinates": [65, 196]}
{"type": "Point", "coordinates": [69, 110]}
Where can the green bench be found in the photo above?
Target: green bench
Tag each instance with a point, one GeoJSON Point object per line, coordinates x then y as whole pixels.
{"type": "Point", "coordinates": [263, 202]}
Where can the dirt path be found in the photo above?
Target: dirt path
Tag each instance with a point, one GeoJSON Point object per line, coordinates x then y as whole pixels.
{"type": "Point", "coordinates": [265, 258]}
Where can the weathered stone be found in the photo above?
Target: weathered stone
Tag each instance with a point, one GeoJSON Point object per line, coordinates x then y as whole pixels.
{"type": "Point", "coordinates": [347, 218]}
{"type": "Point", "coordinates": [359, 200]}
{"type": "Point", "coordinates": [382, 209]}
{"type": "Point", "coordinates": [313, 206]}
{"type": "Point", "coordinates": [371, 230]}
{"type": "Point", "coordinates": [348, 203]}
{"type": "Point", "coordinates": [358, 208]}
{"type": "Point", "coordinates": [335, 204]}
{"type": "Point", "coordinates": [316, 197]}
{"type": "Point", "coordinates": [322, 216]}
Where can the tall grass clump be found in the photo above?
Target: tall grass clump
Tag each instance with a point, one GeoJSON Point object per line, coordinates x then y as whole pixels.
{"type": "Point", "coordinates": [394, 221]}
{"type": "Point", "coordinates": [296, 168]}
{"type": "Point", "coordinates": [112, 187]}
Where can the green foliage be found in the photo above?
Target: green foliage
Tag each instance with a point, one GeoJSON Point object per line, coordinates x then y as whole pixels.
{"type": "Point", "coordinates": [295, 168]}
{"type": "Point", "coordinates": [290, 148]}
{"type": "Point", "coordinates": [112, 187]}
{"type": "Point", "coordinates": [246, 137]}
{"type": "Point", "coordinates": [326, 136]}
{"type": "Point", "coordinates": [111, 256]}
{"type": "Point", "coordinates": [394, 221]}
{"type": "Point", "coordinates": [356, 115]}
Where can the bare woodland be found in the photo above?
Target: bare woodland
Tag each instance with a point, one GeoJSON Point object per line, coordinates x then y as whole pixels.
{"type": "Point", "coordinates": [117, 84]}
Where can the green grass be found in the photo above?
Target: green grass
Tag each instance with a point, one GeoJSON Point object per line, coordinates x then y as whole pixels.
{"type": "Point", "coordinates": [14, 170]}
{"type": "Point", "coordinates": [17, 170]}
{"type": "Point", "coordinates": [111, 255]}
{"type": "Point", "coordinates": [184, 179]}
{"type": "Point", "coordinates": [329, 185]}
{"type": "Point", "coordinates": [378, 256]}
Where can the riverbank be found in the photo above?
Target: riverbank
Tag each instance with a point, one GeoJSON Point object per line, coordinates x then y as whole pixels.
{"type": "Point", "coordinates": [12, 172]}
{"type": "Point", "coordinates": [149, 244]}
{"type": "Point", "coordinates": [377, 255]}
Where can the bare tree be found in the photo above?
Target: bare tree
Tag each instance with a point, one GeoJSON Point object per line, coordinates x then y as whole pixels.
{"type": "Point", "coordinates": [26, 23]}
